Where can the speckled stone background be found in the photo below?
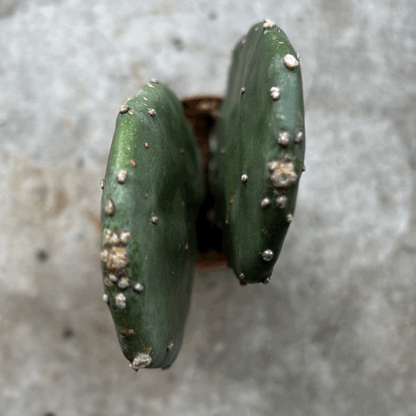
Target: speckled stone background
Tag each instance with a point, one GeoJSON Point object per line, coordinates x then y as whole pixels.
{"type": "Point", "coordinates": [334, 334]}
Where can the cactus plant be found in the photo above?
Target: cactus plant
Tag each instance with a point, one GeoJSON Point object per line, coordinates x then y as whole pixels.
{"type": "Point", "coordinates": [152, 191]}
{"type": "Point", "coordinates": [156, 191]}
{"type": "Point", "coordinates": [259, 145]}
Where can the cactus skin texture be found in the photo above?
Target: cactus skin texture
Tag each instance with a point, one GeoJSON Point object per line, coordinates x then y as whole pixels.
{"type": "Point", "coordinates": [151, 195]}
{"type": "Point", "coordinates": [259, 146]}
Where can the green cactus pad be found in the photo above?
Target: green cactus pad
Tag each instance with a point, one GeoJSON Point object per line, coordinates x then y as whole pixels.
{"type": "Point", "coordinates": [151, 194]}
{"type": "Point", "coordinates": [259, 146]}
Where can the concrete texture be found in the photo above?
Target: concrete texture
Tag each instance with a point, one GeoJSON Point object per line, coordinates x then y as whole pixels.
{"type": "Point", "coordinates": [334, 333]}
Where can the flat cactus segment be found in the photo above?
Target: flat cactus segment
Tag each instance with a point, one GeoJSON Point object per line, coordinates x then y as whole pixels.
{"type": "Point", "coordinates": [151, 194]}
{"type": "Point", "coordinates": [259, 146]}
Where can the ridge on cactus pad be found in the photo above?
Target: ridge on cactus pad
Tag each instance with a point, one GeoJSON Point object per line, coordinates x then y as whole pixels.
{"type": "Point", "coordinates": [152, 191]}
{"type": "Point", "coordinates": [259, 146]}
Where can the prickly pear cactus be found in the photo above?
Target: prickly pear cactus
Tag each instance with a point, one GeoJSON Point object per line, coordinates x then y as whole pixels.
{"type": "Point", "coordinates": [154, 191]}
{"type": "Point", "coordinates": [259, 146]}
{"type": "Point", "coordinates": [151, 194]}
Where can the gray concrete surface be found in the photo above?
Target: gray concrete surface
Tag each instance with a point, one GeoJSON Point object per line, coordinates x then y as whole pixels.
{"type": "Point", "coordinates": [332, 335]}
